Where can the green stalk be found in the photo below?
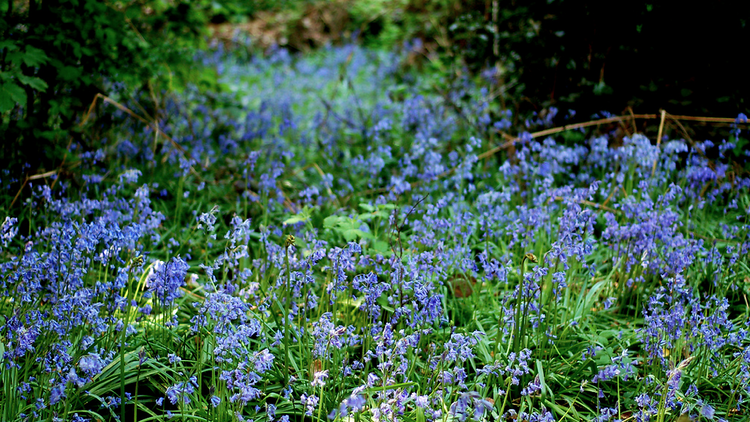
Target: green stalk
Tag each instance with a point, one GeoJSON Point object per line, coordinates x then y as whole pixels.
{"type": "Point", "coordinates": [125, 321]}
{"type": "Point", "coordinates": [135, 396]}
{"type": "Point", "coordinates": [287, 304]}
{"type": "Point", "coordinates": [517, 329]}
{"type": "Point", "coordinates": [122, 371]}
{"type": "Point", "coordinates": [507, 393]}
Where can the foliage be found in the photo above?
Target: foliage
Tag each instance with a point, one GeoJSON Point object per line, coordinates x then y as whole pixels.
{"type": "Point", "coordinates": [575, 55]}
{"type": "Point", "coordinates": [57, 55]}
{"type": "Point", "coordinates": [326, 238]}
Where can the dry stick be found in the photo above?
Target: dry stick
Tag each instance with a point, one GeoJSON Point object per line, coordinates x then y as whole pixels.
{"type": "Point", "coordinates": [456, 108]}
{"type": "Point", "coordinates": [141, 119]}
{"type": "Point", "coordinates": [23, 185]}
{"type": "Point", "coordinates": [590, 123]}
{"type": "Point", "coordinates": [41, 176]}
{"type": "Point", "coordinates": [26, 180]}
{"type": "Point", "coordinates": [708, 119]}
{"type": "Point", "coordinates": [682, 128]}
{"type": "Point", "coordinates": [137, 117]}
{"type": "Point", "coordinates": [343, 68]}
{"type": "Point", "coordinates": [330, 110]}
{"type": "Point", "coordinates": [155, 120]}
{"type": "Point", "coordinates": [359, 108]}
{"type": "Point", "coordinates": [300, 170]}
{"type": "Point", "coordinates": [287, 202]}
{"type": "Point", "coordinates": [658, 141]}
{"type": "Point", "coordinates": [62, 163]}
{"type": "Point", "coordinates": [609, 197]}
{"type": "Point", "coordinates": [712, 239]}
{"type": "Point", "coordinates": [632, 117]}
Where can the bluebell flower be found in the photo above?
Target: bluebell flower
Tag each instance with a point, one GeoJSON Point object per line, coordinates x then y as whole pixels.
{"type": "Point", "coordinates": [319, 379]}
{"type": "Point", "coordinates": [91, 364]}
{"type": "Point", "coordinates": [166, 279]}
{"type": "Point", "coordinates": [310, 402]}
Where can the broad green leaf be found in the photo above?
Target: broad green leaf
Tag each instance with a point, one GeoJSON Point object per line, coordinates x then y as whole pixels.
{"type": "Point", "coordinates": [381, 247]}
{"type": "Point", "coordinates": [296, 219]}
{"type": "Point", "coordinates": [34, 56]}
{"type": "Point", "coordinates": [10, 95]}
{"type": "Point", "coordinates": [303, 215]}
{"type": "Point", "coordinates": [366, 207]}
{"type": "Point", "coordinates": [331, 221]}
{"type": "Point", "coordinates": [69, 73]}
{"type": "Point", "coordinates": [352, 302]}
{"type": "Point", "coordinates": [542, 381]}
{"type": "Point", "coordinates": [33, 82]}
{"type": "Point", "coordinates": [7, 44]}
{"type": "Point", "coordinates": [15, 57]}
{"type": "Point", "coordinates": [420, 415]}
{"type": "Point", "coordinates": [351, 234]}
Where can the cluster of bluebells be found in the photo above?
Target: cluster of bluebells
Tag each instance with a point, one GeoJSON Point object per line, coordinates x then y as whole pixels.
{"type": "Point", "coordinates": [66, 306]}
{"type": "Point", "coordinates": [362, 317]}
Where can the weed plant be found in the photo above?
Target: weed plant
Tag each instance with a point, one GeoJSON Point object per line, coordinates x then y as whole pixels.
{"type": "Point", "coordinates": [325, 239]}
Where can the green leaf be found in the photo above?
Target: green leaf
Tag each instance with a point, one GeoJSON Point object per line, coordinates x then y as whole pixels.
{"type": "Point", "coordinates": [10, 95]}
{"type": "Point", "coordinates": [304, 215]}
{"type": "Point", "coordinates": [34, 56]}
{"type": "Point", "coordinates": [69, 73]}
{"type": "Point", "coordinates": [420, 415]}
{"type": "Point", "coordinates": [295, 219]}
{"type": "Point", "coordinates": [542, 381]}
{"type": "Point", "coordinates": [132, 13]}
{"type": "Point", "coordinates": [349, 235]}
{"type": "Point", "coordinates": [366, 207]}
{"type": "Point", "coordinates": [356, 303]}
{"type": "Point", "coordinates": [381, 247]}
{"type": "Point", "coordinates": [331, 221]}
{"type": "Point", "coordinates": [10, 45]}
{"type": "Point", "coordinates": [33, 82]}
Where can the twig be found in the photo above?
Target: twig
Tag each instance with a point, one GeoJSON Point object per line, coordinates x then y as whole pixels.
{"type": "Point", "coordinates": [139, 118]}
{"type": "Point", "coordinates": [456, 108]}
{"type": "Point", "coordinates": [26, 180]}
{"type": "Point", "coordinates": [632, 116]}
{"type": "Point", "coordinates": [729, 120]}
{"type": "Point", "coordinates": [363, 126]}
{"type": "Point", "coordinates": [609, 197]}
{"type": "Point", "coordinates": [23, 185]}
{"type": "Point", "coordinates": [565, 128]}
{"type": "Point", "coordinates": [682, 128]}
{"type": "Point", "coordinates": [401, 226]}
{"type": "Point", "coordinates": [329, 110]}
{"type": "Point", "coordinates": [712, 239]}
{"type": "Point", "coordinates": [42, 175]}
{"type": "Point", "coordinates": [658, 141]}
{"type": "Point", "coordinates": [288, 204]}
